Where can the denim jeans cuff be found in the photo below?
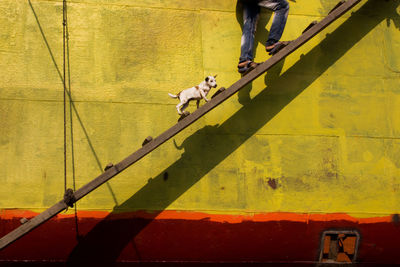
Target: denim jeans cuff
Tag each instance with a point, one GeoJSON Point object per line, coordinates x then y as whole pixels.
{"type": "Point", "coordinates": [271, 42]}
{"type": "Point", "coordinates": [244, 60]}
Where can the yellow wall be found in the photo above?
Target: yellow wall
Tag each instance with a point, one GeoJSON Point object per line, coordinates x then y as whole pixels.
{"type": "Point", "coordinates": [325, 123]}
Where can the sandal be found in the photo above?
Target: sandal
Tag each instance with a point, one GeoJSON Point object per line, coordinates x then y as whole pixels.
{"type": "Point", "coordinates": [275, 48]}
{"type": "Point", "coordinates": [247, 68]}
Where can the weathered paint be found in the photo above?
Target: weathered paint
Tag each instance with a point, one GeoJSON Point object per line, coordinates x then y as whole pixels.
{"type": "Point", "coordinates": [318, 134]}
{"type": "Point", "coordinates": [188, 236]}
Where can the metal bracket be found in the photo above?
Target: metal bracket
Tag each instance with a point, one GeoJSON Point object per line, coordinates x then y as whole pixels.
{"type": "Point", "coordinates": [69, 198]}
{"type": "Point", "coordinates": [312, 24]}
{"type": "Point", "coordinates": [220, 90]}
{"type": "Point", "coordinates": [147, 140]}
{"type": "Point", "coordinates": [184, 115]}
{"type": "Point", "coordinates": [338, 5]}
{"type": "Point", "coordinates": [109, 166]}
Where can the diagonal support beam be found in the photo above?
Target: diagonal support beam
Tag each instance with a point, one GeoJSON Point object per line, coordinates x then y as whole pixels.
{"type": "Point", "coordinates": [148, 147]}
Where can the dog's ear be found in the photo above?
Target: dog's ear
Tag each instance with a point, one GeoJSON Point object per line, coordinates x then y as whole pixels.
{"type": "Point", "coordinates": [207, 79]}
{"type": "Point", "coordinates": [215, 76]}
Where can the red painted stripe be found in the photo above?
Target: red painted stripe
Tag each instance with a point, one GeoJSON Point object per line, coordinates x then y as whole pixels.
{"type": "Point", "coordinates": [185, 236]}
{"type": "Point", "coordinates": [186, 215]}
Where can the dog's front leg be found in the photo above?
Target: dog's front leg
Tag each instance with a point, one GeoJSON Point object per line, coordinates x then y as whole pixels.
{"type": "Point", "coordinates": [203, 95]}
{"type": "Point", "coordinates": [198, 103]}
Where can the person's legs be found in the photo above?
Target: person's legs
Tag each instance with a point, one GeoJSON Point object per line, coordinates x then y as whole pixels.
{"type": "Point", "coordinates": [281, 10]}
{"type": "Point", "coordinates": [251, 13]}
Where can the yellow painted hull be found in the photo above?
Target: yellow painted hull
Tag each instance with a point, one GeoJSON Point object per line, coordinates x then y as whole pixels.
{"type": "Point", "coordinates": [318, 135]}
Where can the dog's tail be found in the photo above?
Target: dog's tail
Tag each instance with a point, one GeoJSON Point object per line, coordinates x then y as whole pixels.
{"type": "Point", "coordinates": [173, 96]}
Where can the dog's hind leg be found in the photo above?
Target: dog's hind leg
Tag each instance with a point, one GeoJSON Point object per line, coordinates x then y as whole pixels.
{"type": "Point", "coordinates": [181, 106]}
{"type": "Point", "coordinates": [178, 108]}
{"type": "Point", "coordinates": [184, 106]}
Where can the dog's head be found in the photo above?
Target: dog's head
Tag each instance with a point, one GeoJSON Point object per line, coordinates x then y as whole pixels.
{"type": "Point", "coordinates": [210, 80]}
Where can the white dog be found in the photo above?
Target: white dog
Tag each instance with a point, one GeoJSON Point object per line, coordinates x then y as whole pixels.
{"type": "Point", "coordinates": [195, 93]}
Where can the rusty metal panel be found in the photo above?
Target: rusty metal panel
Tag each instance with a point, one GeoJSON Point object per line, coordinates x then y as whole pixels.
{"type": "Point", "coordinates": [339, 246]}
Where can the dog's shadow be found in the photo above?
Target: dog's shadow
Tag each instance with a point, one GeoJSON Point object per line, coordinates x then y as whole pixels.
{"type": "Point", "coordinates": [209, 146]}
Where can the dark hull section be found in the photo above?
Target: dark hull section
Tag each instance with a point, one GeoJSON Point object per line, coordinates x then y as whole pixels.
{"type": "Point", "coordinates": [129, 238]}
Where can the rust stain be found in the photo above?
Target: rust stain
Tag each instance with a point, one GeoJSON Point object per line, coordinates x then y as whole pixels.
{"type": "Point", "coordinates": [396, 219]}
{"type": "Point", "coordinates": [272, 183]}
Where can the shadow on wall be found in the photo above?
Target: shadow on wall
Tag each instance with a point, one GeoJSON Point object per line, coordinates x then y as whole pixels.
{"type": "Point", "coordinates": [206, 148]}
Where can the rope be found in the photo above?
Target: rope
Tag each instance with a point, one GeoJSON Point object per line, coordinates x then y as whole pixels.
{"type": "Point", "coordinates": [65, 88]}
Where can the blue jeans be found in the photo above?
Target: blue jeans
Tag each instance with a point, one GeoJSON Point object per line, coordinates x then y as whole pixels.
{"type": "Point", "coordinates": [251, 14]}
